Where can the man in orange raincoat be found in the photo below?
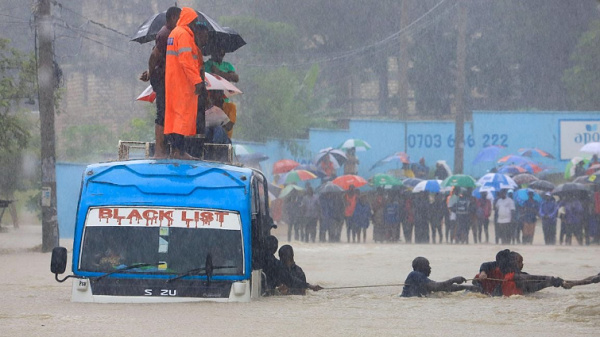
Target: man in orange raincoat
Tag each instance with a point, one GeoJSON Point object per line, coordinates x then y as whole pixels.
{"type": "Point", "coordinates": [184, 80]}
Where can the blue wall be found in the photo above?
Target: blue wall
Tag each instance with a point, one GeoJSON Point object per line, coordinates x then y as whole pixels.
{"type": "Point", "coordinates": [434, 140]}
{"type": "Point", "coordinates": [429, 140]}
{"type": "Point", "coordinates": [68, 185]}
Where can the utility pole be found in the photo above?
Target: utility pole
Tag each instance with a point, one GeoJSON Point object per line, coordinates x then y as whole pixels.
{"type": "Point", "coordinates": [461, 55]}
{"type": "Point", "coordinates": [402, 72]}
{"type": "Point", "coordinates": [46, 84]}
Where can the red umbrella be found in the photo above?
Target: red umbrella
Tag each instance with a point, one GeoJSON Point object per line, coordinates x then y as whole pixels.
{"type": "Point", "coordinates": [592, 169]}
{"type": "Point", "coordinates": [349, 179]}
{"type": "Point", "coordinates": [284, 166]}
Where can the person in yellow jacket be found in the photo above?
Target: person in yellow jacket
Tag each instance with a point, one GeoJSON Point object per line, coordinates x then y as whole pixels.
{"type": "Point", "coordinates": [184, 80]}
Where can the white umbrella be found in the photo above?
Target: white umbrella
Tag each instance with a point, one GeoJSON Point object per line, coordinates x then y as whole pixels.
{"type": "Point", "coordinates": [496, 182]}
{"type": "Point", "coordinates": [215, 116]}
{"type": "Point", "coordinates": [213, 82]}
{"type": "Point", "coordinates": [216, 82]}
{"type": "Point", "coordinates": [593, 147]}
{"type": "Point", "coordinates": [432, 186]}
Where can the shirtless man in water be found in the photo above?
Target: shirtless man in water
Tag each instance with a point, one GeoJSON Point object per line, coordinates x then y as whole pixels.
{"type": "Point", "coordinates": [418, 283]}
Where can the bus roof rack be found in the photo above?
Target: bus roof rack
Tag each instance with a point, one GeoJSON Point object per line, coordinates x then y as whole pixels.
{"type": "Point", "coordinates": [222, 153]}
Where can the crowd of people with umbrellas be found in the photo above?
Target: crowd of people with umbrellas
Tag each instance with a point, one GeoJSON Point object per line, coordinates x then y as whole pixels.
{"type": "Point", "coordinates": [416, 204]}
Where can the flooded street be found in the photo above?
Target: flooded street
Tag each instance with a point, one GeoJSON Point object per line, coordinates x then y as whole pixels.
{"type": "Point", "coordinates": [34, 304]}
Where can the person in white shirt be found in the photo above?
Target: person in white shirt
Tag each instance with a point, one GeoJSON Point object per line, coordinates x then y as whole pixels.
{"type": "Point", "coordinates": [503, 216]}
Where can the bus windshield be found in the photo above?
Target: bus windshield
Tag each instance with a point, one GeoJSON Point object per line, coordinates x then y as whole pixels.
{"type": "Point", "coordinates": [170, 240]}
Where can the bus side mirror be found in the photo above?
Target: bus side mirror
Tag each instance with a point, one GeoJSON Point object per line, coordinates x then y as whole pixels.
{"type": "Point", "coordinates": [58, 263]}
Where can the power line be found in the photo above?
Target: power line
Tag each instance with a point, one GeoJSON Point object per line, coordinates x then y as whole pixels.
{"type": "Point", "coordinates": [370, 49]}
{"type": "Point", "coordinates": [99, 24]}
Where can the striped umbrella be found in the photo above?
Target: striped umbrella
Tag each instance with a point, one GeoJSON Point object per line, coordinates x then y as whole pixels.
{"type": "Point", "coordinates": [296, 176]}
{"type": "Point", "coordinates": [385, 180]}
{"type": "Point", "coordinates": [432, 186]}
{"type": "Point", "coordinates": [496, 182]}
{"type": "Point", "coordinates": [514, 159]}
{"type": "Point", "coordinates": [534, 151]}
{"type": "Point", "coordinates": [460, 180]}
{"type": "Point", "coordinates": [358, 144]}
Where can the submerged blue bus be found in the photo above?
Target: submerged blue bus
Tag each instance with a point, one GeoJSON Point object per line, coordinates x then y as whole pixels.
{"type": "Point", "coordinates": [168, 231]}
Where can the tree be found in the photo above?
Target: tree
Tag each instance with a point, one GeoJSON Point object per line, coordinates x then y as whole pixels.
{"type": "Point", "coordinates": [280, 104]}
{"type": "Point", "coordinates": [17, 84]}
{"type": "Point", "coordinates": [278, 101]}
{"type": "Point", "coordinates": [581, 79]}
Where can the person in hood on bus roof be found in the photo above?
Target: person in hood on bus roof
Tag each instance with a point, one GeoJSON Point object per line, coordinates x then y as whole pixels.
{"type": "Point", "coordinates": [184, 81]}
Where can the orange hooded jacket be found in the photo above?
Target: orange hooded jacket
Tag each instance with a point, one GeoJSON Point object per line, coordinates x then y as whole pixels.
{"type": "Point", "coordinates": [183, 67]}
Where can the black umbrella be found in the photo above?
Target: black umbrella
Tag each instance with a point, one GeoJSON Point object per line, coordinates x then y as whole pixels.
{"type": "Point", "coordinates": [570, 188]}
{"type": "Point", "coordinates": [542, 185]}
{"type": "Point", "coordinates": [148, 30]}
{"type": "Point", "coordinates": [329, 187]}
{"type": "Point", "coordinates": [336, 156]}
{"type": "Point", "coordinates": [229, 41]}
{"type": "Point", "coordinates": [210, 23]}
{"type": "Point", "coordinates": [581, 180]}
{"type": "Point", "coordinates": [524, 178]}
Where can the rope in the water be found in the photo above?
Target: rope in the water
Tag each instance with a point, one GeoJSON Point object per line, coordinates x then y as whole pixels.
{"type": "Point", "coordinates": [403, 284]}
{"type": "Point", "coordinates": [367, 286]}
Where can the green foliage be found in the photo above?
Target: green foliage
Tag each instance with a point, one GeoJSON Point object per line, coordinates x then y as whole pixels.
{"type": "Point", "coordinates": [89, 143]}
{"type": "Point", "coordinates": [17, 84]}
{"type": "Point", "coordinates": [280, 104]}
{"type": "Point", "coordinates": [141, 129]}
{"type": "Point", "coordinates": [581, 79]}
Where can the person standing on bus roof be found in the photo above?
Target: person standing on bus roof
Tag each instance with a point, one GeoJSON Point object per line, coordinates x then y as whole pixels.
{"type": "Point", "coordinates": [184, 80]}
{"type": "Point", "coordinates": [156, 75]}
{"type": "Point", "coordinates": [215, 65]}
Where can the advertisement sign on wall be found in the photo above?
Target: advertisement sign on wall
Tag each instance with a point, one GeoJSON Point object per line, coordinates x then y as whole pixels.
{"type": "Point", "coordinates": [576, 133]}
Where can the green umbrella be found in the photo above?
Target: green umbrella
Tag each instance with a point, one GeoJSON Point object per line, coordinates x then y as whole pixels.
{"type": "Point", "coordinates": [570, 168]}
{"type": "Point", "coordinates": [288, 189]}
{"type": "Point", "coordinates": [461, 180]}
{"type": "Point", "coordinates": [358, 144]}
{"type": "Point", "coordinates": [385, 180]}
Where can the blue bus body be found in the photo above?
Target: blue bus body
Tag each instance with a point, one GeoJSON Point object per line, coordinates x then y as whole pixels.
{"type": "Point", "coordinates": [168, 231]}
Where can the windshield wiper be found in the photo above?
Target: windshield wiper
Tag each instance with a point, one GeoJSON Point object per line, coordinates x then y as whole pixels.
{"type": "Point", "coordinates": [133, 266]}
{"type": "Point", "coordinates": [207, 269]}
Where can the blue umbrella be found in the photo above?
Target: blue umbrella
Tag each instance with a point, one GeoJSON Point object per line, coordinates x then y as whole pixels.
{"type": "Point", "coordinates": [520, 196]}
{"type": "Point", "coordinates": [411, 182]}
{"type": "Point", "coordinates": [489, 153]}
{"type": "Point", "coordinates": [496, 182]}
{"type": "Point", "coordinates": [432, 186]}
{"type": "Point", "coordinates": [477, 193]}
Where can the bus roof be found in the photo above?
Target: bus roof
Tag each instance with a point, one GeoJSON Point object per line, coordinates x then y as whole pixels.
{"type": "Point", "coordinates": [166, 177]}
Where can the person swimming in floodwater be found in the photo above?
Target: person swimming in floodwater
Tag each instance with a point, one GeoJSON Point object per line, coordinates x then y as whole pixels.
{"type": "Point", "coordinates": [418, 283]}
{"type": "Point", "coordinates": [505, 276]}
{"type": "Point", "coordinates": [294, 280]}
